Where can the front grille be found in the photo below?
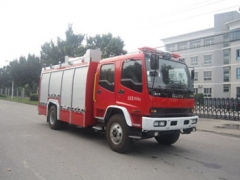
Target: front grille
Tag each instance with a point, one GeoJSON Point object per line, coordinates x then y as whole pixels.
{"type": "Point", "coordinates": [172, 112]}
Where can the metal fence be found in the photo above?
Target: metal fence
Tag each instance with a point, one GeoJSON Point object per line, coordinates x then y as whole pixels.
{"type": "Point", "coordinates": [218, 108]}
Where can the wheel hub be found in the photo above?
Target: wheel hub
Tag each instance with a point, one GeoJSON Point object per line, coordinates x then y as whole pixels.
{"type": "Point", "coordinates": [116, 133]}
{"type": "Point", "coordinates": [52, 117]}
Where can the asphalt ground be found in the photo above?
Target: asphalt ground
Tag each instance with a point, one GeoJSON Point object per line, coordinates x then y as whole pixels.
{"type": "Point", "coordinates": [30, 150]}
{"type": "Point", "coordinates": [219, 126]}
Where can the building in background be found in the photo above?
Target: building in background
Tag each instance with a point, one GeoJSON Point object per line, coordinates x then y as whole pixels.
{"type": "Point", "coordinates": [215, 55]}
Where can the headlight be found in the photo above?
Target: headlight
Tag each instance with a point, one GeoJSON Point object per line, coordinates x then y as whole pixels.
{"type": "Point", "coordinates": [194, 121]}
{"type": "Point", "coordinates": [159, 123]}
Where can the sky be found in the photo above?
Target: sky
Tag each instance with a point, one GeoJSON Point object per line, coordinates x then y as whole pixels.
{"type": "Point", "coordinates": [25, 25]}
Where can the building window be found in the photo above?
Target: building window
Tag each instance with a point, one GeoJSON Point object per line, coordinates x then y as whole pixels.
{"type": "Point", "coordinates": [207, 59]}
{"type": "Point", "coordinates": [238, 73]}
{"type": "Point", "coordinates": [194, 61]}
{"type": "Point", "coordinates": [226, 56]}
{"type": "Point", "coordinates": [195, 76]}
{"type": "Point", "coordinates": [208, 41]}
{"type": "Point", "coordinates": [182, 46]}
{"type": "Point", "coordinates": [207, 75]}
{"type": "Point", "coordinates": [235, 34]}
{"type": "Point", "coordinates": [195, 90]}
{"type": "Point", "coordinates": [207, 92]}
{"type": "Point", "coordinates": [226, 88]}
{"type": "Point", "coordinates": [171, 48]}
{"type": "Point", "coordinates": [238, 92]}
{"type": "Point", "coordinates": [195, 44]}
{"type": "Point", "coordinates": [225, 40]}
{"type": "Point", "coordinates": [238, 54]}
{"type": "Point", "coordinates": [226, 74]}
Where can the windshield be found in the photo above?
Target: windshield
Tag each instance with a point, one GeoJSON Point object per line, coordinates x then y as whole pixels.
{"type": "Point", "coordinates": [170, 75]}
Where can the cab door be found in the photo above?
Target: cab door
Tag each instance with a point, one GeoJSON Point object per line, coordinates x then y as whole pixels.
{"type": "Point", "coordinates": [105, 89]}
{"type": "Point", "coordinates": [130, 89]}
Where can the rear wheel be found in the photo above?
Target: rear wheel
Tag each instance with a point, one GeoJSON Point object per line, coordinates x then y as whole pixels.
{"type": "Point", "coordinates": [53, 121]}
{"type": "Point", "coordinates": [118, 134]}
{"type": "Point", "coordinates": [168, 139]}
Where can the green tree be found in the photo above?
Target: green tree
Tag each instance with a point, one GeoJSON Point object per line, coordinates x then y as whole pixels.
{"type": "Point", "coordinates": [18, 71]}
{"type": "Point", "coordinates": [51, 54]}
{"type": "Point", "coordinates": [72, 46]}
{"type": "Point", "coordinates": [15, 72]}
{"type": "Point", "coordinates": [25, 71]}
{"type": "Point", "coordinates": [5, 80]}
{"type": "Point", "coordinates": [33, 70]}
{"type": "Point", "coordinates": [109, 45]}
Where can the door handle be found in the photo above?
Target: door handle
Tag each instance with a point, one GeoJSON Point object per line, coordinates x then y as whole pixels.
{"type": "Point", "coordinates": [99, 91]}
{"type": "Point", "coordinates": [121, 91]}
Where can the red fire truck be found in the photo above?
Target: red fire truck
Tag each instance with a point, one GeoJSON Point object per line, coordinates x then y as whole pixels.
{"type": "Point", "coordinates": [135, 96]}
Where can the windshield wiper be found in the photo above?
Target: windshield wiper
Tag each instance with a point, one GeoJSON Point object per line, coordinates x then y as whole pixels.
{"type": "Point", "coordinates": [174, 82]}
{"type": "Point", "coordinates": [179, 87]}
{"type": "Point", "coordinates": [163, 88]}
{"type": "Point", "coordinates": [189, 90]}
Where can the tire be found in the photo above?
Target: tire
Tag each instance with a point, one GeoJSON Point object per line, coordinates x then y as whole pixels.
{"type": "Point", "coordinates": [118, 134]}
{"type": "Point", "coordinates": [53, 121]}
{"type": "Point", "coordinates": [168, 139]}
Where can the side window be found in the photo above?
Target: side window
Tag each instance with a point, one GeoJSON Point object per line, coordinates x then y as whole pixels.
{"type": "Point", "coordinates": [132, 75]}
{"type": "Point", "coordinates": [106, 79]}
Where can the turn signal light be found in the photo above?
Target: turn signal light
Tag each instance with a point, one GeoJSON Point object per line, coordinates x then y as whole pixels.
{"type": "Point", "coordinates": [153, 110]}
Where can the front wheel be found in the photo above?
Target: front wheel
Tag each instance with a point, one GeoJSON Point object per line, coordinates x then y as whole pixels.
{"type": "Point", "coordinates": [168, 139]}
{"type": "Point", "coordinates": [118, 134]}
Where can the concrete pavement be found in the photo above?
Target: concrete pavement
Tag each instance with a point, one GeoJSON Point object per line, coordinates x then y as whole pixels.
{"type": "Point", "coordinates": [225, 127]}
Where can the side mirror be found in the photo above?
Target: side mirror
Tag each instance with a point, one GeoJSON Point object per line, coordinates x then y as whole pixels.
{"type": "Point", "coordinates": [192, 74]}
{"type": "Point", "coordinates": [154, 61]}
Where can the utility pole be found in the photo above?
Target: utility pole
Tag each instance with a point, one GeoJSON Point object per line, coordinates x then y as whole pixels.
{"type": "Point", "coordinates": [12, 85]}
{"type": "Point", "coordinates": [12, 89]}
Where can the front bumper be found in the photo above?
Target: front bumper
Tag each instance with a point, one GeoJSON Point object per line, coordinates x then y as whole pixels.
{"type": "Point", "coordinates": [171, 123]}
